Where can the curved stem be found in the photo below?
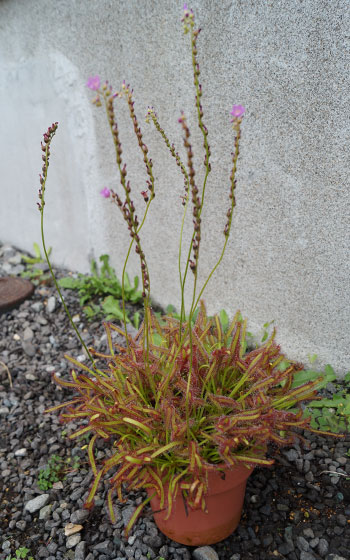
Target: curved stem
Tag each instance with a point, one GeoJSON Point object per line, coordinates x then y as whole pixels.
{"type": "Point", "coordinates": [51, 269]}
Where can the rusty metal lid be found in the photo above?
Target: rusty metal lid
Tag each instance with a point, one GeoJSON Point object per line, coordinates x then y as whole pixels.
{"type": "Point", "coordinates": [13, 291]}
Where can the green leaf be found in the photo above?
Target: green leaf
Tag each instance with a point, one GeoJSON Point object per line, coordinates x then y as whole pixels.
{"type": "Point", "coordinates": [70, 283]}
{"type": "Point", "coordinates": [347, 377]}
{"type": "Point", "coordinates": [157, 339]}
{"type": "Point", "coordinates": [170, 309]}
{"type": "Point", "coordinates": [264, 337]}
{"type": "Point", "coordinates": [136, 320]}
{"type": "Point", "coordinates": [37, 250]}
{"type": "Point", "coordinates": [312, 358]}
{"type": "Point", "coordinates": [330, 373]}
{"type": "Point", "coordinates": [283, 365]}
{"type": "Point", "coordinates": [304, 376]}
{"type": "Point", "coordinates": [94, 269]}
{"type": "Point", "coordinates": [195, 315]}
{"type": "Point", "coordinates": [224, 320]}
{"type": "Point", "coordinates": [112, 308]}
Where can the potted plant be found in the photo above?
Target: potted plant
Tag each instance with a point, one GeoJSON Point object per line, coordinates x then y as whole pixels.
{"type": "Point", "coordinates": [185, 409]}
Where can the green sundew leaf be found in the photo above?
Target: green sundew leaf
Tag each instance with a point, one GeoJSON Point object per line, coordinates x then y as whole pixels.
{"type": "Point", "coordinates": [224, 320]}
{"type": "Point", "coordinates": [266, 325]}
{"type": "Point", "coordinates": [136, 319]}
{"type": "Point", "coordinates": [347, 377]}
{"type": "Point", "coordinates": [136, 282]}
{"type": "Point", "coordinates": [314, 424]}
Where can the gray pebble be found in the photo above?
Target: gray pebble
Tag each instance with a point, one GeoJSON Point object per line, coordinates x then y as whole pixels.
{"type": "Point", "coordinates": [102, 546]}
{"type": "Point", "coordinates": [205, 553]}
{"type": "Point", "coordinates": [302, 544]}
{"type": "Point", "coordinates": [80, 551]}
{"type": "Point", "coordinates": [37, 503]}
{"type": "Point", "coordinates": [73, 540]}
{"type": "Point", "coordinates": [322, 547]}
{"type": "Point", "coordinates": [127, 514]}
{"type": "Point", "coordinates": [21, 452]}
{"type": "Point", "coordinates": [28, 348]}
{"type": "Point", "coordinates": [307, 556]}
{"type": "Point", "coordinates": [51, 304]}
{"type": "Point", "coordinates": [27, 334]}
{"type": "Point", "coordinates": [341, 520]}
{"type": "Point", "coordinates": [235, 556]}
{"type": "Point", "coordinates": [52, 547]}
{"type": "Point", "coordinates": [309, 533]}
{"type": "Point", "coordinates": [291, 454]}
{"type": "Point", "coordinates": [286, 548]}
{"type": "Point", "coordinates": [21, 524]}
{"type": "Point", "coordinates": [309, 477]}
{"type": "Point", "coordinates": [155, 541]}
{"type": "Point", "coordinates": [4, 410]}
{"type": "Point", "coordinates": [164, 551]}
{"type": "Point", "coordinates": [78, 516]}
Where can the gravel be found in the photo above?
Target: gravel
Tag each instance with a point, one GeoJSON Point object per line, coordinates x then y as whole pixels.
{"type": "Point", "coordinates": [292, 510]}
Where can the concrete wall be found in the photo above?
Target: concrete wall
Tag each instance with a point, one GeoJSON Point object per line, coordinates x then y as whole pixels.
{"type": "Point", "coordinates": [287, 61]}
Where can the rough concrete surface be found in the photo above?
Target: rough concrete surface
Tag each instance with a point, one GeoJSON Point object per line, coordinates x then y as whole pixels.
{"type": "Point", "coordinates": [286, 61]}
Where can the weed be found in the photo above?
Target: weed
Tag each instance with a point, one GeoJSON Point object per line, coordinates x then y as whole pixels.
{"type": "Point", "coordinates": [103, 283]}
{"type": "Point", "coordinates": [330, 414]}
{"type": "Point", "coordinates": [32, 272]}
{"type": "Point", "coordinates": [55, 471]}
{"type": "Point", "coordinates": [21, 552]}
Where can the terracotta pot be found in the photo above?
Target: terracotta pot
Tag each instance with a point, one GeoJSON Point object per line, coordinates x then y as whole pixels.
{"type": "Point", "coordinates": [224, 504]}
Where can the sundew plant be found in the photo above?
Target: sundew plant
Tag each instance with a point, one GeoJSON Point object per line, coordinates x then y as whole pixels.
{"type": "Point", "coordinates": [184, 396]}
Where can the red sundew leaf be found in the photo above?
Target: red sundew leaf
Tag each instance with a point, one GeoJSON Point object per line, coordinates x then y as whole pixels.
{"type": "Point", "coordinates": [89, 502]}
{"type": "Point", "coordinates": [136, 515]}
{"type": "Point", "coordinates": [80, 365]}
{"type": "Point", "coordinates": [223, 401]}
{"type": "Point", "coordinates": [158, 485]}
{"type": "Point", "coordinates": [58, 406]}
{"type": "Point", "coordinates": [253, 460]}
{"type": "Point", "coordinates": [109, 337]}
{"type": "Point", "coordinates": [235, 348]}
{"type": "Point", "coordinates": [119, 477]}
{"type": "Point", "coordinates": [91, 454]}
{"type": "Point", "coordinates": [80, 432]}
{"type": "Point", "coordinates": [110, 506]}
{"type": "Point", "coordinates": [280, 440]}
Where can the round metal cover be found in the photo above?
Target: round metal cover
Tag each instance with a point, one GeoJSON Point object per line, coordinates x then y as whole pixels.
{"type": "Point", "coordinates": [13, 291]}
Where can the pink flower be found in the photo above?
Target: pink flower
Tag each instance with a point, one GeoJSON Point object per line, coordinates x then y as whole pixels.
{"type": "Point", "coordinates": [94, 82]}
{"type": "Point", "coordinates": [106, 193]}
{"type": "Point", "coordinates": [237, 111]}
